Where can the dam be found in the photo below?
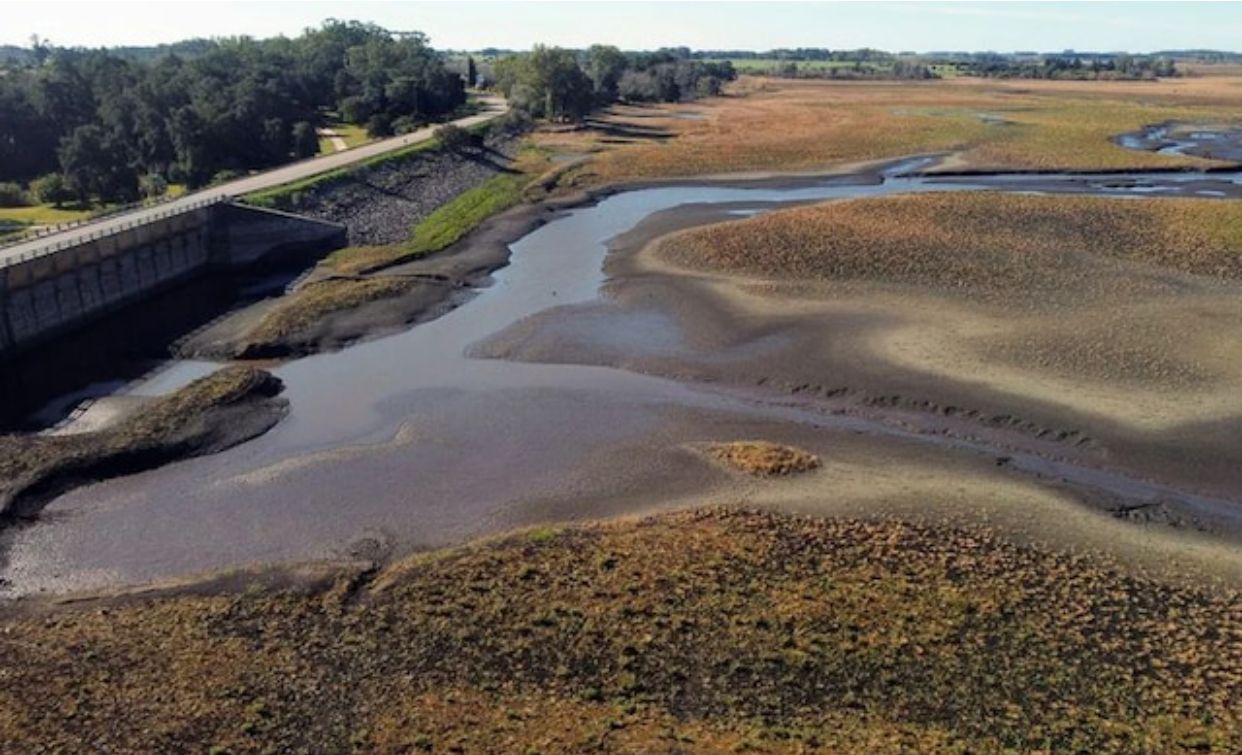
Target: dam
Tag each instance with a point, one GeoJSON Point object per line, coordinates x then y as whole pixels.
{"type": "Point", "coordinates": [60, 283]}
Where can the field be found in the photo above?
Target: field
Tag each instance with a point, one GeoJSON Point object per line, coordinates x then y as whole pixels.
{"type": "Point", "coordinates": [704, 631]}
{"type": "Point", "coordinates": [805, 125]}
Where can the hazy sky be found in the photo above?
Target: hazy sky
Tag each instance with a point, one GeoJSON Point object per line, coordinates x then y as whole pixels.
{"type": "Point", "coordinates": [1001, 26]}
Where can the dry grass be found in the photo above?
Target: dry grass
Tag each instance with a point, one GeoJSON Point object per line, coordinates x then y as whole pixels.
{"type": "Point", "coordinates": [167, 428]}
{"type": "Point", "coordinates": [782, 125]}
{"type": "Point", "coordinates": [300, 310]}
{"type": "Point", "coordinates": [762, 458]}
{"type": "Point", "coordinates": [695, 632]}
{"type": "Point", "coordinates": [990, 246]}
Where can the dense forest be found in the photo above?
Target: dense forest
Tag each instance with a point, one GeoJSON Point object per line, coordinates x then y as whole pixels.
{"type": "Point", "coordinates": [560, 84]}
{"type": "Point", "coordinates": [116, 125]}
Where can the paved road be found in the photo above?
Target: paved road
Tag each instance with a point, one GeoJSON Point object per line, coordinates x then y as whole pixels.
{"type": "Point", "coordinates": [493, 107]}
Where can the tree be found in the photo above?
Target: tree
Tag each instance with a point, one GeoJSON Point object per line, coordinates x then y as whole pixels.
{"type": "Point", "coordinates": [305, 140]}
{"type": "Point", "coordinates": [276, 142]}
{"type": "Point", "coordinates": [472, 72]}
{"type": "Point", "coordinates": [93, 165]}
{"type": "Point", "coordinates": [210, 105]}
{"type": "Point", "coordinates": [546, 83]}
{"type": "Point", "coordinates": [379, 125]}
{"type": "Point", "coordinates": [355, 109]}
{"type": "Point", "coordinates": [51, 189]}
{"type": "Point", "coordinates": [605, 65]}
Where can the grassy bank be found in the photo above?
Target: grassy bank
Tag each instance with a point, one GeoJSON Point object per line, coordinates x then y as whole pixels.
{"type": "Point", "coordinates": [44, 214]}
{"type": "Point", "coordinates": [301, 309]}
{"type": "Point", "coordinates": [442, 228]}
{"type": "Point", "coordinates": [449, 223]}
{"type": "Point", "coordinates": [181, 424]}
{"type": "Point", "coordinates": [698, 632]}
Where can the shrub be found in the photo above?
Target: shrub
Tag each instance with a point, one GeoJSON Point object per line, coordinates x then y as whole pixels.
{"type": "Point", "coordinates": [456, 139]}
{"type": "Point", "coordinates": [152, 185]}
{"type": "Point", "coordinates": [379, 125]}
{"type": "Point", "coordinates": [405, 124]}
{"type": "Point", "coordinates": [51, 189]}
{"type": "Point", "coordinates": [225, 176]}
{"type": "Point", "coordinates": [13, 195]}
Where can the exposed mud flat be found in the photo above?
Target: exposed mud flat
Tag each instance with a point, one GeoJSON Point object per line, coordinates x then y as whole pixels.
{"type": "Point", "coordinates": [212, 414]}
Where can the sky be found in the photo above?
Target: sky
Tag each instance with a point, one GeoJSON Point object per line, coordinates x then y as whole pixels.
{"type": "Point", "coordinates": [894, 26]}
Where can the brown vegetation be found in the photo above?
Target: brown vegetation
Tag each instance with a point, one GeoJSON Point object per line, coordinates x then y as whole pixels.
{"type": "Point", "coordinates": [693, 632]}
{"type": "Point", "coordinates": [783, 125]}
{"type": "Point", "coordinates": [991, 246]}
{"type": "Point", "coordinates": [762, 458]}
{"type": "Point", "coordinates": [222, 409]}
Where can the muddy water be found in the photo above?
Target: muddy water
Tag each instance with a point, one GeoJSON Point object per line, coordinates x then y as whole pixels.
{"type": "Point", "coordinates": [406, 442]}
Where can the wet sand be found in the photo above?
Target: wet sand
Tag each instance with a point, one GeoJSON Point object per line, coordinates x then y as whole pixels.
{"type": "Point", "coordinates": [404, 443]}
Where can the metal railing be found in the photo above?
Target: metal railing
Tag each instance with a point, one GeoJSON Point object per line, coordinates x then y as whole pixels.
{"type": "Point", "coordinates": [111, 230]}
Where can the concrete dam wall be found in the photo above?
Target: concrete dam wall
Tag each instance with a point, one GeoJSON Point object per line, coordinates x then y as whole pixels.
{"type": "Point", "coordinates": [66, 288]}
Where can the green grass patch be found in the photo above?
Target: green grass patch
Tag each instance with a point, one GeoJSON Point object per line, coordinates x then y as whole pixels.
{"type": "Point", "coordinates": [44, 214]}
{"type": "Point", "coordinates": [352, 134]}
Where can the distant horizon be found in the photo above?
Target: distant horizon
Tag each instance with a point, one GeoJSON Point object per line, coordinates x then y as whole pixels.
{"type": "Point", "coordinates": [926, 27]}
{"type": "Point", "coordinates": [752, 51]}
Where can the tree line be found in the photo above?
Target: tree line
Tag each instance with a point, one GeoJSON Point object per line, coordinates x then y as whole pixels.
{"type": "Point", "coordinates": [111, 126]}
{"type": "Point", "coordinates": [1120, 67]}
{"type": "Point", "coordinates": [560, 84]}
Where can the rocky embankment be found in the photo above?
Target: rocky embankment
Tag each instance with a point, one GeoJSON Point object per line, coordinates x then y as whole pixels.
{"type": "Point", "coordinates": [380, 204]}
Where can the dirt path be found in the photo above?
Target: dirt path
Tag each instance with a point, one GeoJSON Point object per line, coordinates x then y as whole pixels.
{"type": "Point", "coordinates": [331, 135]}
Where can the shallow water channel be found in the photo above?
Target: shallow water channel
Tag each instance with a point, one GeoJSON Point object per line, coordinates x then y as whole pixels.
{"type": "Point", "coordinates": [406, 442]}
